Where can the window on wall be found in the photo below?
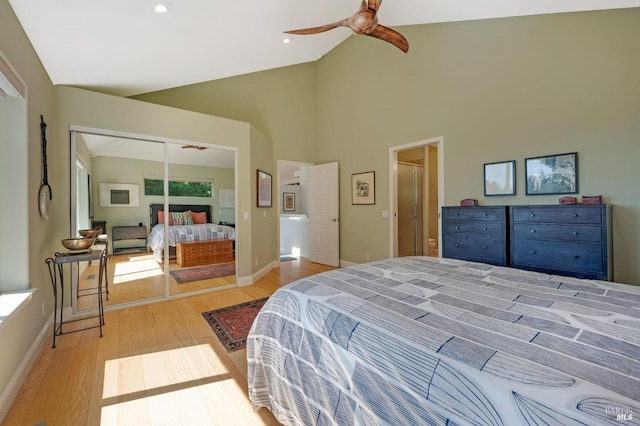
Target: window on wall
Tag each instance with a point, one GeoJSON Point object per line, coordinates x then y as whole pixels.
{"type": "Point", "coordinates": [180, 187]}
{"type": "Point", "coordinates": [14, 164]}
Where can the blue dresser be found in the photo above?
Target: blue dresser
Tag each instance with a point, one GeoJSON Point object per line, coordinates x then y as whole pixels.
{"type": "Point", "coordinates": [572, 240]}
{"type": "Point", "coordinates": [476, 233]}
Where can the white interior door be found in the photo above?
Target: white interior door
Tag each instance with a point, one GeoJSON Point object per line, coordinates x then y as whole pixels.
{"type": "Point", "coordinates": [324, 219]}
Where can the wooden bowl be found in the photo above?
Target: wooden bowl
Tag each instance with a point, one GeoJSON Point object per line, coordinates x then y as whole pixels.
{"type": "Point", "coordinates": [90, 233]}
{"type": "Point", "coordinates": [78, 243]}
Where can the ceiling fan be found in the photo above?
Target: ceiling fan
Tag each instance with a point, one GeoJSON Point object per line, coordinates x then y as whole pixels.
{"type": "Point", "coordinates": [363, 22]}
{"type": "Point", "coordinates": [199, 148]}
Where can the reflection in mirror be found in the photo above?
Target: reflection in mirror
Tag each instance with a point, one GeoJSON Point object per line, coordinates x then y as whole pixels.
{"type": "Point", "coordinates": [203, 234]}
{"type": "Point", "coordinates": [117, 182]}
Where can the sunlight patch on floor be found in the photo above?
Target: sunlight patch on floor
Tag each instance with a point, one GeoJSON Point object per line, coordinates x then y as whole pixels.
{"type": "Point", "coordinates": [158, 370]}
{"type": "Point", "coordinates": [136, 268]}
{"type": "Point", "coordinates": [195, 405]}
{"type": "Point", "coordinates": [168, 387]}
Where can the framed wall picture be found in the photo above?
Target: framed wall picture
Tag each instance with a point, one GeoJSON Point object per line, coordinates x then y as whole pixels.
{"type": "Point", "coordinates": [363, 188]}
{"type": "Point", "coordinates": [500, 178]}
{"type": "Point", "coordinates": [264, 189]}
{"type": "Point", "coordinates": [552, 174]}
{"type": "Point", "coordinates": [119, 195]}
{"type": "Point", "coordinates": [289, 201]}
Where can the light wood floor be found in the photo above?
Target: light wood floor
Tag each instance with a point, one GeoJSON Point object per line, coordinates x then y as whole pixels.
{"type": "Point", "coordinates": [156, 364]}
{"type": "Point", "coordinates": [137, 276]}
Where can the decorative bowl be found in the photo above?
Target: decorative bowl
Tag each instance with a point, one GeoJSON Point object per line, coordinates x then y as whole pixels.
{"type": "Point", "coordinates": [90, 233]}
{"type": "Point", "coordinates": [78, 243]}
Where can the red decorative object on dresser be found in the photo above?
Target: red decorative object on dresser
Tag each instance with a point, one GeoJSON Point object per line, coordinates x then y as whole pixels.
{"type": "Point", "coordinates": [468, 202]}
{"type": "Point", "coordinates": [592, 199]}
{"type": "Point", "coordinates": [568, 200]}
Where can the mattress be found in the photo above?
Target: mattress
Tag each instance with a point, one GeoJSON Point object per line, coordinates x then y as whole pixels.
{"type": "Point", "coordinates": [421, 340]}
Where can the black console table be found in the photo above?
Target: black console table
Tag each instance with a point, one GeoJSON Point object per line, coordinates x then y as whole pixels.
{"type": "Point", "coordinates": [56, 272]}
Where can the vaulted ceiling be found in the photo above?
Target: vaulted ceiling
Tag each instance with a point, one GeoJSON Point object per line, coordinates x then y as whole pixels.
{"type": "Point", "coordinates": [124, 48]}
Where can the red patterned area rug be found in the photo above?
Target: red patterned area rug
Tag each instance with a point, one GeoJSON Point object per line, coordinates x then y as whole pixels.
{"type": "Point", "coordinates": [231, 324]}
{"type": "Point", "coordinates": [205, 273]}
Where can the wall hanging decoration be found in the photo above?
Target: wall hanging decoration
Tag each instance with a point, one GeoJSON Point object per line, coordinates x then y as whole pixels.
{"type": "Point", "coordinates": [363, 188]}
{"type": "Point", "coordinates": [264, 189]}
{"type": "Point", "coordinates": [227, 198]}
{"type": "Point", "coordinates": [119, 195]}
{"type": "Point", "coordinates": [500, 178]}
{"type": "Point", "coordinates": [288, 201]}
{"type": "Point", "coordinates": [45, 194]}
{"type": "Point", "coordinates": [552, 174]}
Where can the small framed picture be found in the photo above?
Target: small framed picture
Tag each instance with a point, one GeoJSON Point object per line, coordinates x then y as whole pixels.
{"type": "Point", "coordinates": [363, 188]}
{"type": "Point", "coordinates": [288, 201]}
{"type": "Point", "coordinates": [552, 174]}
{"type": "Point", "coordinates": [264, 189]}
{"type": "Point", "coordinates": [500, 178]}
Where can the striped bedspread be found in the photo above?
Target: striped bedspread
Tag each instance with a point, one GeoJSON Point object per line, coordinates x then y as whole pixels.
{"type": "Point", "coordinates": [418, 341]}
{"type": "Point", "coordinates": [187, 233]}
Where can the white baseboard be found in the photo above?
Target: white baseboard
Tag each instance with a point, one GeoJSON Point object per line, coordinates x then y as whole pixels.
{"type": "Point", "coordinates": [245, 281]}
{"type": "Point", "coordinates": [18, 377]}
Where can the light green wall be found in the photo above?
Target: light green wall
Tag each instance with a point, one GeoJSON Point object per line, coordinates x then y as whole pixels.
{"type": "Point", "coordinates": [500, 89]}
{"type": "Point", "coordinates": [18, 334]}
{"type": "Point", "coordinates": [263, 219]}
{"type": "Point", "coordinates": [119, 170]}
{"type": "Point", "coordinates": [77, 107]}
{"type": "Point", "coordinates": [281, 103]}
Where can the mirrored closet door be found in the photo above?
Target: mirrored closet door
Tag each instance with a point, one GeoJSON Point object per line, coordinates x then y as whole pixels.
{"type": "Point", "coordinates": [125, 185]}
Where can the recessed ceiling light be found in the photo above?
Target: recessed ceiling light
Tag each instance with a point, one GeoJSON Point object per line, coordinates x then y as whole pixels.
{"type": "Point", "coordinates": [162, 7]}
{"type": "Point", "coordinates": [286, 41]}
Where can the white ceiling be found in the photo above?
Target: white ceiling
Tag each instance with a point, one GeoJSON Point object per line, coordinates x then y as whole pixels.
{"type": "Point", "coordinates": [122, 47]}
{"type": "Point", "coordinates": [112, 146]}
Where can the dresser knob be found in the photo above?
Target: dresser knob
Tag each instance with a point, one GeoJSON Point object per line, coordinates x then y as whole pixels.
{"type": "Point", "coordinates": [576, 257]}
{"type": "Point", "coordinates": [533, 231]}
{"type": "Point", "coordinates": [575, 215]}
{"type": "Point", "coordinates": [533, 215]}
{"type": "Point", "coordinates": [485, 247]}
{"type": "Point", "coordinates": [533, 252]}
{"type": "Point", "coordinates": [457, 227]}
{"type": "Point", "coordinates": [457, 244]}
{"type": "Point", "coordinates": [485, 228]}
{"type": "Point", "coordinates": [575, 233]}
{"type": "Point", "coordinates": [485, 214]}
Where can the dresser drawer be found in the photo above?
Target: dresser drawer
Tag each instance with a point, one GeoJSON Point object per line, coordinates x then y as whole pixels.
{"type": "Point", "coordinates": [129, 232]}
{"type": "Point", "coordinates": [545, 231]}
{"type": "Point", "coordinates": [551, 256]}
{"type": "Point", "coordinates": [557, 214]}
{"type": "Point", "coordinates": [476, 248]}
{"type": "Point", "coordinates": [474, 213]}
{"type": "Point", "coordinates": [484, 228]}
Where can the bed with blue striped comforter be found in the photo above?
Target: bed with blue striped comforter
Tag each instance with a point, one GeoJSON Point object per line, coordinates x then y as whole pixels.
{"type": "Point", "coordinates": [421, 341]}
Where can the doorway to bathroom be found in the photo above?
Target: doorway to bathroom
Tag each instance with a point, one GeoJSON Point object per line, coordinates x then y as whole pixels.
{"type": "Point", "coordinates": [417, 188]}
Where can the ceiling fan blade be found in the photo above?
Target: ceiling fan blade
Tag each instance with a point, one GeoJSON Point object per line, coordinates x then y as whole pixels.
{"type": "Point", "coordinates": [199, 148]}
{"type": "Point", "coordinates": [373, 5]}
{"type": "Point", "coordinates": [316, 30]}
{"type": "Point", "coordinates": [387, 34]}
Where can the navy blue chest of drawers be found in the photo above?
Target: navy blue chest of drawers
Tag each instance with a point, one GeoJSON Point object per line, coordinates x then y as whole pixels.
{"type": "Point", "coordinates": [571, 240]}
{"type": "Point", "coordinates": [476, 234]}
